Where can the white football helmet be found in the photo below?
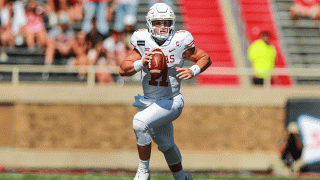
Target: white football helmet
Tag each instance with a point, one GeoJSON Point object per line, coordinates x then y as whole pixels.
{"type": "Point", "coordinates": [160, 11]}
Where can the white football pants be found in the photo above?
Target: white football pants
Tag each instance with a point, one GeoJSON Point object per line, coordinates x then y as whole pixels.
{"type": "Point", "coordinates": [155, 122]}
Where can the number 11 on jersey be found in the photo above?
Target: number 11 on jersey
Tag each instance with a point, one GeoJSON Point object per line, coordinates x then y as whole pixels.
{"type": "Point", "coordinates": [163, 81]}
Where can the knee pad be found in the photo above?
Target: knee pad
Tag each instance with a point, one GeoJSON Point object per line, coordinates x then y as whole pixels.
{"type": "Point", "coordinates": [171, 153]}
{"type": "Point", "coordinates": [142, 132]}
{"type": "Point", "coordinates": [165, 147]}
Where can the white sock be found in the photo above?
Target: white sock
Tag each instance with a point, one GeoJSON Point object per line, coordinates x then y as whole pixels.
{"type": "Point", "coordinates": [179, 175]}
{"type": "Point", "coordinates": [144, 164]}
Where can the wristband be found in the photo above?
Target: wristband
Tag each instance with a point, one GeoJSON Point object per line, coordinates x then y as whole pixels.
{"type": "Point", "coordinates": [195, 70]}
{"type": "Point", "coordinates": [138, 65]}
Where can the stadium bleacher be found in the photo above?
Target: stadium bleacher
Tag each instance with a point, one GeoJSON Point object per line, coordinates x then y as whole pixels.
{"type": "Point", "coordinates": [204, 19]}
{"type": "Point", "coordinates": [22, 56]}
{"type": "Point", "coordinates": [301, 42]}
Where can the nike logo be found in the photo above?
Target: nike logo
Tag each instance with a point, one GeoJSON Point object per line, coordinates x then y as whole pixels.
{"type": "Point", "coordinates": [172, 50]}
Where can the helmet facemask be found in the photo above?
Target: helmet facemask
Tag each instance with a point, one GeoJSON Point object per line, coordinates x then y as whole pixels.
{"type": "Point", "coordinates": [163, 14]}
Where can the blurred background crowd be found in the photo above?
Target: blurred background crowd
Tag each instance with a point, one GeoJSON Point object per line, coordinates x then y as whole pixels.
{"type": "Point", "coordinates": [70, 32]}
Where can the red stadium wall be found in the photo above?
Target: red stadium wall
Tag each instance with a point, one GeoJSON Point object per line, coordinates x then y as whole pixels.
{"type": "Point", "coordinates": [203, 18]}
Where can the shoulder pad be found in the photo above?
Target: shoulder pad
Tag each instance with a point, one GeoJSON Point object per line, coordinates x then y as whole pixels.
{"type": "Point", "coordinates": [186, 38]}
{"type": "Point", "coordinates": [138, 39]}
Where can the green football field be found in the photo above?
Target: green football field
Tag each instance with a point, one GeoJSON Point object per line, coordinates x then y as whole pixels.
{"type": "Point", "coordinates": [119, 177]}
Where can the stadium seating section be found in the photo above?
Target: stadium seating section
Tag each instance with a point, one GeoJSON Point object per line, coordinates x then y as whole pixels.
{"type": "Point", "coordinates": [297, 46]}
{"type": "Point", "coordinates": [301, 41]}
{"type": "Point", "coordinates": [20, 55]}
{"type": "Point", "coordinates": [203, 18]}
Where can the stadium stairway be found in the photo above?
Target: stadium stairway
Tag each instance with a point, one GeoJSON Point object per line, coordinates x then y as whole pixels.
{"type": "Point", "coordinates": [301, 41]}
{"type": "Point", "coordinates": [203, 18]}
{"type": "Point", "coordinates": [258, 15]}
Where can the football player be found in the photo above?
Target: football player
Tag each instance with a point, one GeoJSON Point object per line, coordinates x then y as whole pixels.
{"type": "Point", "coordinates": [162, 102]}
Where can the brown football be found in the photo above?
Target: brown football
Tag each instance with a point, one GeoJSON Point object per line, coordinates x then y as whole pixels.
{"type": "Point", "coordinates": [158, 64]}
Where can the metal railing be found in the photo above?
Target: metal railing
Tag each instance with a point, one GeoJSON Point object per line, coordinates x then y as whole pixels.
{"type": "Point", "coordinates": [92, 70]}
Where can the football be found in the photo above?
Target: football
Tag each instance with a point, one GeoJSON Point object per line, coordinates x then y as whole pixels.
{"type": "Point", "coordinates": [158, 64]}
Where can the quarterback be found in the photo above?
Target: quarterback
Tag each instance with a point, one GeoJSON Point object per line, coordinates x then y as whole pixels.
{"type": "Point", "coordinates": [162, 101]}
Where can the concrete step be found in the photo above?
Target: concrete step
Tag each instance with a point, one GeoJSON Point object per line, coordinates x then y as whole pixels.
{"type": "Point", "coordinates": [304, 58]}
{"type": "Point", "coordinates": [14, 60]}
{"type": "Point", "coordinates": [31, 77]}
{"type": "Point", "coordinates": [306, 32]}
{"type": "Point", "coordinates": [302, 40]}
{"type": "Point", "coordinates": [283, 5]}
{"type": "Point", "coordinates": [307, 80]}
{"type": "Point", "coordinates": [306, 23]}
{"type": "Point", "coordinates": [303, 49]}
{"type": "Point", "coordinates": [21, 51]}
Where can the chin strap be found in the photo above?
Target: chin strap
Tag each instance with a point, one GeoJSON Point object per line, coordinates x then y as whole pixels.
{"type": "Point", "coordinates": [159, 42]}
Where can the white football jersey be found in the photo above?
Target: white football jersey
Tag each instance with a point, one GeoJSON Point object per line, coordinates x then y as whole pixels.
{"type": "Point", "coordinates": [168, 85]}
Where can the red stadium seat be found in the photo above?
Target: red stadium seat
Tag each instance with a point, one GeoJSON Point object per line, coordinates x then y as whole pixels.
{"type": "Point", "coordinates": [256, 8]}
{"type": "Point", "coordinates": [210, 39]}
{"type": "Point", "coordinates": [199, 29]}
{"type": "Point", "coordinates": [258, 18]}
{"type": "Point", "coordinates": [225, 80]}
{"type": "Point", "coordinates": [204, 21]}
{"type": "Point", "coordinates": [209, 12]}
{"type": "Point", "coordinates": [200, 4]}
{"type": "Point", "coordinates": [203, 18]}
